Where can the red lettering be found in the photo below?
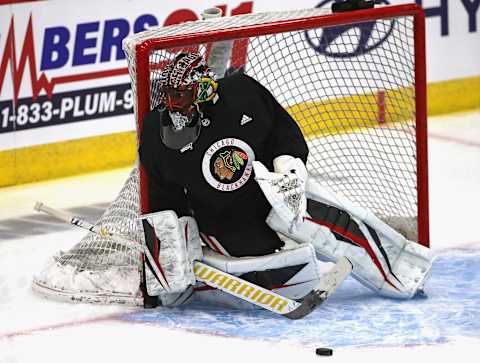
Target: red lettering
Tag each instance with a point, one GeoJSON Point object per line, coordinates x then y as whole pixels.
{"type": "Point", "coordinates": [180, 16]}
{"type": "Point", "coordinates": [177, 17]}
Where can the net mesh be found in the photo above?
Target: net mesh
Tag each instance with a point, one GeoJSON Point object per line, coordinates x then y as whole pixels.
{"type": "Point", "coordinates": [354, 102]}
{"type": "Point", "coordinates": [351, 89]}
{"type": "Point", "coordinates": [99, 269]}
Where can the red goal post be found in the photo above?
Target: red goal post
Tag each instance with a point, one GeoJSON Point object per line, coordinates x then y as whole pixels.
{"type": "Point", "coordinates": [141, 50]}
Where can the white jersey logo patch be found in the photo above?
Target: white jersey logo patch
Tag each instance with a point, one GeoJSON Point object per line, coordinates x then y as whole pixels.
{"type": "Point", "coordinates": [245, 119]}
{"type": "Point", "coordinates": [227, 164]}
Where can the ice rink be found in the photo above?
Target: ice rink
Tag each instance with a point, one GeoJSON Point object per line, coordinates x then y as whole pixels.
{"type": "Point", "coordinates": [358, 325]}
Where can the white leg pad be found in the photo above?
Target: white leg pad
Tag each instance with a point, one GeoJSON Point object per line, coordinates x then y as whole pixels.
{"type": "Point", "coordinates": [304, 269]}
{"type": "Point", "coordinates": [386, 262]}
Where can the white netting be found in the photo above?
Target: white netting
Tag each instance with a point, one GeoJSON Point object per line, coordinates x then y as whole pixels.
{"type": "Point", "coordinates": [99, 269]}
{"type": "Point", "coordinates": [350, 88]}
{"type": "Point", "coordinates": [356, 108]}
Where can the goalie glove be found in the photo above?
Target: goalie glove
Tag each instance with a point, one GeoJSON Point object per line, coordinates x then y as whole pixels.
{"type": "Point", "coordinates": [284, 188]}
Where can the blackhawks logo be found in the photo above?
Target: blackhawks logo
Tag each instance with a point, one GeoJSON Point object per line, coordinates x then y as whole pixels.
{"type": "Point", "coordinates": [227, 164]}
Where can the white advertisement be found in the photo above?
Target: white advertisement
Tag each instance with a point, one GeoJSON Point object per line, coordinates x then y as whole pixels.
{"type": "Point", "coordinates": [63, 74]}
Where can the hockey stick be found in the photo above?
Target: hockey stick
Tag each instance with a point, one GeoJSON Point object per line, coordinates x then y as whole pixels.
{"type": "Point", "coordinates": [234, 285]}
{"type": "Point", "coordinates": [270, 300]}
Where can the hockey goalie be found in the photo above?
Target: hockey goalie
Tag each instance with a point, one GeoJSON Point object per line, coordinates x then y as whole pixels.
{"type": "Point", "coordinates": [225, 169]}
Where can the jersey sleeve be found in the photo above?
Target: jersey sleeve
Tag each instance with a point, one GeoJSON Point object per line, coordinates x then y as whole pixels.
{"type": "Point", "coordinates": [162, 194]}
{"type": "Point", "coordinates": [286, 138]}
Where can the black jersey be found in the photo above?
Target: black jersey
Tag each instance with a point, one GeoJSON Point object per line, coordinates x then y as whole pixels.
{"type": "Point", "coordinates": [214, 180]}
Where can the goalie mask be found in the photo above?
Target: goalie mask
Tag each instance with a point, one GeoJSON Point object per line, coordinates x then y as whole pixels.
{"type": "Point", "coordinates": [185, 83]}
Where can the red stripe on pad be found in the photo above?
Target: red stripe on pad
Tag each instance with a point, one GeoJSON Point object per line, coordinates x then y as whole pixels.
{"type": "Point", "coordinates": [362, 242]}
{"type": "Point", "coordinates": [156, 257]}
{"type": "Point", "coordinates": [210, 243]}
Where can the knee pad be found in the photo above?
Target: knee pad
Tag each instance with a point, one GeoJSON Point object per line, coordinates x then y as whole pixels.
{"type": "Point", "coordinates": [291, 273]}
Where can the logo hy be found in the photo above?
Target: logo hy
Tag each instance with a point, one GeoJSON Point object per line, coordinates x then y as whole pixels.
{"type": "Point", "coordinates": [245, 119]}
{"type": "Point", "coordinates": [323, 41]}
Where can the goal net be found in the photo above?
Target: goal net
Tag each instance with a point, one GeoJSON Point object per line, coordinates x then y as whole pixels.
{"type": "Point", "coordinates": [355, 84]}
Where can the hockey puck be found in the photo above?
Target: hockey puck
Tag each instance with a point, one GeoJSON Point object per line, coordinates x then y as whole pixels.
{"type": "Point", "coordinates": [324, 351]}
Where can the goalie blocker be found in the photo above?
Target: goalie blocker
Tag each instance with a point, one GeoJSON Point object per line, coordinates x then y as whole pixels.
{"type": "Point", "coordinates": [172, 245]}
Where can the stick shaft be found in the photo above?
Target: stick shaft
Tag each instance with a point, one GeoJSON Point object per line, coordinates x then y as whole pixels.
{"type": "Point", "coordinates": [71, 219]}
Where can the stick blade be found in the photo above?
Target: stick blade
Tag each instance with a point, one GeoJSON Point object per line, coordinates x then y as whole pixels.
{"type": "Point", "coordinates": [327, 286]}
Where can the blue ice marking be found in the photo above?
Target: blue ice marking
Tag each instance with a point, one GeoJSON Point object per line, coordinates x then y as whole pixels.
{"type": "Point", "coordinates": [354, 316]}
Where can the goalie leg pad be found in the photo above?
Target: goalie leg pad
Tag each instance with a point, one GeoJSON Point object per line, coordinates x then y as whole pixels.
{"type": "Point", "coordinates": [382, 259]}
{"type": "Point", "coordinates": [291, 273]}
{"type": "Point", "coordinates": [171, 244]}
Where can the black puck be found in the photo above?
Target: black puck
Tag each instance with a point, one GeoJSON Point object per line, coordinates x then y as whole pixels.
{"type": "Point", "coordinates": [324, 351]}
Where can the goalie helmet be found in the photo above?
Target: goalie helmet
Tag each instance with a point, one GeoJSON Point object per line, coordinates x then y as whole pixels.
{"type": "Point", "coordinates": [185, 83]}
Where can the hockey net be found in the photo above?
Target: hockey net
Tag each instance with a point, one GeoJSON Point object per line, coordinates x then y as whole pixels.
{"type": "Point", "coordinates": [354, 82]}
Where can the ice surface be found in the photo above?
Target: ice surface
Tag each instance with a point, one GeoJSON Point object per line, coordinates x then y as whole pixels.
{"type": "Point", "coordinates": [353, 316]}
{"type": "Point", "coordinates": [355, 323]}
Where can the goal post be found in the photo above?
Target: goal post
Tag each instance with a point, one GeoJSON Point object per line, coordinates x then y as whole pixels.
{"type": "Point", "coordinates": [354, 82]}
